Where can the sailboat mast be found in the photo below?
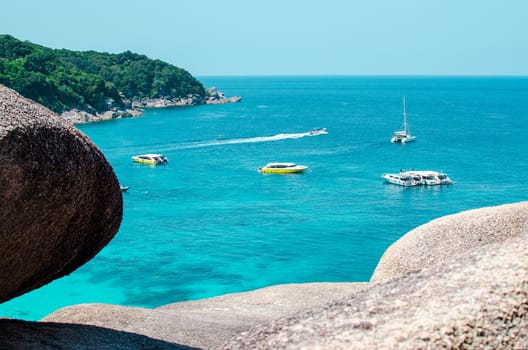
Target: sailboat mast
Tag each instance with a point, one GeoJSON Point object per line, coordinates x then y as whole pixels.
{"type": "Point", "coordinates": [404, 116]}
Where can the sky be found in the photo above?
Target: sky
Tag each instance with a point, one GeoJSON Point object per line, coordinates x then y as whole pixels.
{"type": "Point", "coordinates": [289, 37]}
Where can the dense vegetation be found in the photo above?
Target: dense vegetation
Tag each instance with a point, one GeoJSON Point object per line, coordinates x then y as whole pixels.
{"type": "Point", "coordinates": [63, 79]}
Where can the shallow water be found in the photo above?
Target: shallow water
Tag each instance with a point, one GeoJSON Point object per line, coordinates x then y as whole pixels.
{"type": "Point", "coordinates": [208, 223]}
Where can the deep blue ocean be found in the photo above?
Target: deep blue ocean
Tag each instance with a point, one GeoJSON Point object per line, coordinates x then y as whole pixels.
{"type": "Point", "coordinates": [208, 223]}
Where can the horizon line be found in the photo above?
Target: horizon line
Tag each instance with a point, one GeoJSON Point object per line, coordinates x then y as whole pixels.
{"type": "Point", "coordinates": [368, 75]}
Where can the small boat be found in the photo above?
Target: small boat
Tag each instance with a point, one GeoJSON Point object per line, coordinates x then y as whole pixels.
{"type": "Point", "coordinates": [402, 179]}
{"type": "Point", "coordinates": [124, 188]}
{"type": "Point", "coordinates": [282, 168]}
{"type": "Point", "coordinates": [318, 131]}
{"type": "Point", "coordinates": [151, 159]}
{"type": "Point", "coordinates": [430, 177]}
{"type": "Point", "coordinates": [403, 136]}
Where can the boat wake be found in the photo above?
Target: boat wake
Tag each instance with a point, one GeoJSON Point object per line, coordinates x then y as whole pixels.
{"type": "Point", "coordinates": [211, 143]}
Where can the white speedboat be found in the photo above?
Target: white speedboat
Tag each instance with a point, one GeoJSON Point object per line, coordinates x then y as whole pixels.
{"type": "Point", "coordinates": [282, 168]}
{"type": "Point", "coordinates": [318, 131]}
{"type": "Point", "coordinates": [402, 179]}
{"type": "Point", "coordinates": [430, 177]}
{"type": "Point", "coordinates": [151, 159]}
{"type": "Point", "coordinates": [403, 136]}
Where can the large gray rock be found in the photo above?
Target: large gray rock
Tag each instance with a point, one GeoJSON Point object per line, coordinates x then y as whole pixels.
{"type": "Point", "coordinates": [60, 202]}
{"type": "Point", "coordinates": [475, 300]}
{"type": "Point", "coordinates": [208, 323]}
{"type": "Point", "coordinates": [451, 237]}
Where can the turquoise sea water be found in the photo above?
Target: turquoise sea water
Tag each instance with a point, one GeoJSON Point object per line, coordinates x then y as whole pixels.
{"type": "Point", "coordinates": [208, 223]}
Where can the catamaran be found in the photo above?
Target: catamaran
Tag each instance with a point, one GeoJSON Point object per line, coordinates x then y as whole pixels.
{"type": "Point", "coordinates": [404, 135]}
{"type": "Point", "coordinates": [411, 178]}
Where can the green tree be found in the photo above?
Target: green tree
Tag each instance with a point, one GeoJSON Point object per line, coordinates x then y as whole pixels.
{"type": "Point", "coordinates": [63, 79]}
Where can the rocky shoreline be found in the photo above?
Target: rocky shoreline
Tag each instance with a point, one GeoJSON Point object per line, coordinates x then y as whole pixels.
{"type": "Point", "coordinates": [136, 107]}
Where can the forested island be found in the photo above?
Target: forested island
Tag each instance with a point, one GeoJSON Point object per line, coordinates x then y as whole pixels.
{"type": "Point", "coordinates": [87, 86]}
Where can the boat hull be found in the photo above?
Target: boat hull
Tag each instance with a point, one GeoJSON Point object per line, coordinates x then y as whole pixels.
{"type": "Point", "coordinates": [150, 159]}
{"type": "Point", "coordinates": [402, 138]}
{"type": "Point", "coordinates": [397, 179]}
{"type": "Point", "coordinates": [145, 161]}
{"type": "Point", "coordinates": [315, 132]}
{"type": "Point", "coordinates": [298, 169]}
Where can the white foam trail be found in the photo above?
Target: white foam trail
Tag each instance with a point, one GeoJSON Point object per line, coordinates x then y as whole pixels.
{"type": "Point", "coordinates": [211, 143]}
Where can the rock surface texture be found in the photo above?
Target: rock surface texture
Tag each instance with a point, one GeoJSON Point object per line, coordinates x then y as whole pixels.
{"type": "Point", "coordinates": [55, 336]}
{"type": "Point", "coordinates": [451, 237]}
{"type": "Point", "coordinates": [60, 202]}
{"type": "Point", "coordinates": [207, 323]}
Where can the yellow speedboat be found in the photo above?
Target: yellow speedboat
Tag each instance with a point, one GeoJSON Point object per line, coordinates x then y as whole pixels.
{"type": "Point", "coordinates": [151, 159]}
{"type": "Point", "coordinates": [282, 168]}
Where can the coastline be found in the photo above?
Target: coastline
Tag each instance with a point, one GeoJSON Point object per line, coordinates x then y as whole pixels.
{"type": "Point", "coordinates": [136, 107]}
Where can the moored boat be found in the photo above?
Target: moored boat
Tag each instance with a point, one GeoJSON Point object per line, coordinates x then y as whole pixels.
{"type": "Point", "coordinates": [413, 178]}
{"type": "Point", "coordinates": [403, 136]}
{"type": "Point", "coordinates": [151, 159]}
{"type": "Point", "coordinates": [282, 168]}
{"type": "Point", "coordinates": [431, 177]}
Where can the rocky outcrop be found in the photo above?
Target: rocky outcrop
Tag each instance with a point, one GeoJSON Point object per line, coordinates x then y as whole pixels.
{"type": "Point", "coordinates": [135, 107]}
{"type": "Point", "coordinates": [60, 202]}
{"type": "Point", "coordinates": [77, 116]}
{"type": "Point", "coordinates": [55, 336]}
{"type": "Point", "coordinates": [207, 323]}
{"type": "Point", "coordinates": [480, 302]}
{"type": "Point", "coordinates": [215, 97]}
{"type": "Point", "coordinates": [162, 102]}
{"type": "Point", "coordinates": [451, 237]}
